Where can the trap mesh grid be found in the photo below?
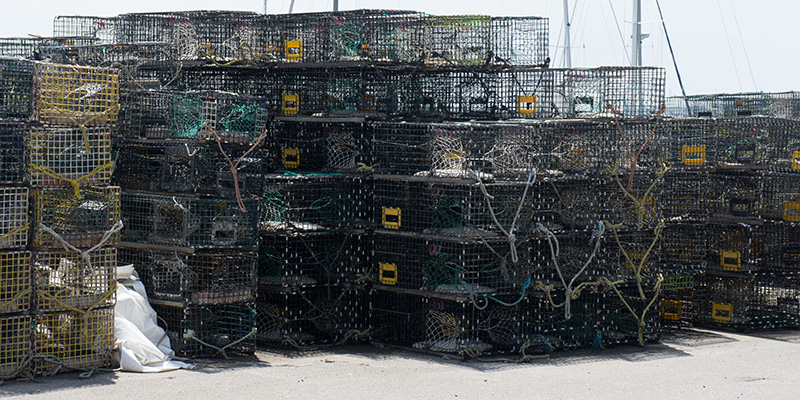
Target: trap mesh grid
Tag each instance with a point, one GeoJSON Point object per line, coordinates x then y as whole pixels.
{"type": "Point", "coordinates": [567, 254]}
{"type": "Point", "coordinates": [202, 278]}
{"type": "Point", "coordinates": [311, 316]}
{"type": "Point", "coordinates": [200, 331]}
{"type": "Point", "coordinates": [79, 219]}
{"type": "Point", "coordinates": [245, 81]}
{"type": "Point", "coordinates": [686, 196]}
{"type": "Point", "coordinates": [618, 325]}
{"type": "Point", "coordinates": [446, 325]}
{"type": "Point", "coordinates": [634, 91]}
{"type": "Point", "coordinates": [16, 344]}
{"type": "Point", "coordinates": [319, 146]}
{"type": "Point", "coordinates": [684, 249]}
{"type": "Point", "coordinates": [293, 202]}
{"type": "Point", "coordinates": [306, 259]}
{"type": "Point", "coordinates": [16, 88]}
{"type": "Point", "coordinates": [548, 328]}
{"type": "Point", "coordinates": [128, 58]}
{"type": "Point", "coordinates": [781, 245]}
{"type": "Point", "coordinates": [15, 281]}
{"type": "Point", "coordinates": [736, 194]}
{"type": "Point", "coordinates": [14, 226]}
{"type": "Point", "coordinates": [677, 305]}
{"type": "Point", "coordinates": [64, 156]}
{"type": "Point", "coordinates": [174, 166]}
{"type": "Point", "coordinates": [76, 96]}
{"type": "Point", "coordinates": [192, 115]}
{"type": "Point", "coordinates": [768, 300]}
{"type": "Point", "coordinates": [780, 196]}
{"type": "Point", "coordinates": [101, 28]}
{"type": "Point", "coordinates": [73, 340]}
{"type": "Point", "coordinates": [690, 143]}
{"type": "Point", "coordinates": [500, 151]}
{"type": "Point", "coordinates": [736, 248]}
{"type": "Point", "coordinates": [12, 151]}
{"type": "Point", "coordinates": [756, 141]}
{"type": "Point", "coordinates": [189, 221]}
{"type": "Point", "coordinates": [630, 253]}
{"type": "Point", "coordinates": [446, 265]}
{"type": "Point", "coordinates": [453, 207]}
{"type": "Point", "coordinates": [66, 281]}
{"type": "Point", "coordinates": [781, 104]}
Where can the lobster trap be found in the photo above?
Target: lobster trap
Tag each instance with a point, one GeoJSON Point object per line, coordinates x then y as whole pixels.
{"type": "Point", "coordinates": [439, 325]}
{"type": "Point", "coordinates": [209, 330]}
{"type": "Point", "coordinates": [307, 259]}
{"type": "Point", "coordinates": [499, 151]}
{"type": "Point", "coordinates": [755, 142]}
{"type": "Point", "coordinates": [76, 96]}
{"type": "Point", "coordinates": [14, 226]}
{"type": "Point", "coordinates": [736, 248]}
{"type": "Point", "coordinates": [82, 219]}
{"type": "Point", "coordinates": [627, 318]}
{"type": "Point", "coordinates": [759, 301]}
{"type": "Point", "coordinates": [66, 156]}
{"type": "Point", "coordinates": [307, 317]}
{"type": "Point", "coordinates": [447, 265]}
{"type": "Point", "coordinates": [684, 249]}
{"type": "Point", "coordinates": [188, 167]}
{"type": "Point", "coordinates": [690, 143]}
{"type": "Point", "coordinates": [587, 92]}
{"type": "Point", "coordinates": [15, 282]}
{"type": "Point", "coordinates": [452, 207]}
{"type": "Point", "coordinates": [781, 242]}
{"type": "Point", "coordinates": [292, 202]}
{"type": "Point", "coordinates": [780, 197]}
{"type": "Point", "coordinates": [736, 195]}
{"type": "Point", "coordinates": [686, 196]}
{"type": "Point", "coordinates": [200, 278]}
{"type": "Point", "coordinates": [319, 146]}
{"type": "Point", "coordinates": [549, 327]}
{"type": "Point", "coordinates": [189, 221]}
{"type": "Point", "coordinates": [206, 115]}
{"type": "Point", "coordinates": [73, 340]}
{"type": "Point", "coordinates": [16, 88]}
{"type": "Point", "coordinates": [677, 304]}
{"type": "Point", "coordinates": [70, 281]}
{"type": "Point", "coordinates": [103, 29]}
{"type": "Point", "coordinates": [782, 105]}
{"type": "Point", "coordinates": [12, 151]}
{"type": "Point", "coordinates": [16, 345]}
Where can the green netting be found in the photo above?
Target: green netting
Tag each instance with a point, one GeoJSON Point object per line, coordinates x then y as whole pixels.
{"type": "Point", "coordinates": [447, 213]}
{"type": "Point", "coordinates": [187, 118]}
{"type": "Point", "coordinates": [273, 206]}
{"type": "Point", "coordinates": [678, 282]}
{"type": "Point", "coordinates": [344, 39]}
{"type": "Point", "coordinates": [331, 206]}
{"type": "Point", "coordinates": [242, 118]}
{"type": "Point", "coordinates": [442, 269]}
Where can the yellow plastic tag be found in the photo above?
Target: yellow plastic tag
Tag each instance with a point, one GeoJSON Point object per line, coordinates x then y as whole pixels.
{"type": "Point", "coordinates": [291, 157]}
{"type": "Point", "coordinates": [293, 49]}
{"type": "Point", "coordinates": [388, 273]}
{"type": "Point", "coordinates": [671, 309]}
{"type": "Point", "coordinates": [791, 211]}
{"type": "Point", "coordinates": [290, 104]}
{"type": "Point", "coordinates": [526, 105]}
{"type": "Point", "coordinates": [796, 160]}
{"type": "Point", "coordinates": [730, 260]}
{"type": "Point", "coordinates": [693, 155]}
{"type": "Point", "coordinates": [390, 217]}
{"type": "Point", "coordinates": [721, 312]}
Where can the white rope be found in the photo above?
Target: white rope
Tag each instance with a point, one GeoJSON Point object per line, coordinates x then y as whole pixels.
{"type": "Point", "coordinates": [84, 254]}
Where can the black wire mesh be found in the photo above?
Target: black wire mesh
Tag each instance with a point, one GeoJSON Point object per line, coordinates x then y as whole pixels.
{"type": "Point", "coordinates": [201, 331]}
{"type": "Point", "coordinates": [782, 104]}
{"type": "Point", "coordinates": [319, 146]}
{"type": "Point", "coordinates": [307, 259]}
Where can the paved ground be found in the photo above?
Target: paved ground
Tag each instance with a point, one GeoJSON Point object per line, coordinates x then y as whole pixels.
{"type": "Point", "coordinates": [687, 364]}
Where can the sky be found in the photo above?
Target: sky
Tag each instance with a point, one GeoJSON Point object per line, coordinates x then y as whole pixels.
{"type": "Point", "coordinates": [721, 46]}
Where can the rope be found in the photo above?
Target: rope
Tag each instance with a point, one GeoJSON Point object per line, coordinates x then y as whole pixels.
{"type": "Point", "coordinates": [233, 165]}
{"type": "Point", "coordinates": [76, 183]}
{"type": "Point", "coordinates": [14, 232]}
{"type": "Point", "coordinates": [220, 350]}
{"type": "Point", "coordinates": [486, 298]}
{"type": "Point", "coordinates": [82, 126]}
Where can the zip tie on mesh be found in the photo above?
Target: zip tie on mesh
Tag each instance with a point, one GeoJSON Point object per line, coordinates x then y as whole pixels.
{"type": "Point", "coordinates": [179, 205]}
{"type": "Point", "coordinates": [14, 232]}
{"type": "Point", "coordinates": [569, 293]}
{"type": "Point", "coordinates": [76, 183]}
{"type": "Point", "coordinates": [192, 153]}
{"type": "Point", "coordinates": [220, 350]}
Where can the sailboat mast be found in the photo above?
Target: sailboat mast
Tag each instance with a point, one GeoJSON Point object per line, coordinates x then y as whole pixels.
{"type": "Point", "coordinates": [335, 5]}
{"type": "Point", "coordinates": [567, 49]}
{"type": "Point", "coordinates": [636, 48]}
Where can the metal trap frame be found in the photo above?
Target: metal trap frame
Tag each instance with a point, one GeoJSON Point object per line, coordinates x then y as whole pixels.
{"type": "Point", "coordinates": [75, 96]}
{"type": "Point", "coordinates": [68, 156]}
{"type": "Point", "coordinates": [16, 345]}
{"type": "Point", "coordinates": [189, 221]}
{"type": "Point", "coordinates": [319, 146]}
{"type": "Point", "coordinates": [776, 104]}
{"type": "Point", "coordinates": [586, 92]}
{"type": "Point", "coordinates": [16, 88]}
{"type": "Point", "coordinates": [68, 281]}
{"type": "Point", "coordinates": [200, 278]}
{"type": "Point", "coordinates": [12, 151]}
{"type": "Point", "coordinates": [14, 225]}
{"type": "Point", "coordinates": [73, 340]}
{"type": "Point", "coordinates": [79, 218]}
{"type": "Point", "coordinates": [15, 282]}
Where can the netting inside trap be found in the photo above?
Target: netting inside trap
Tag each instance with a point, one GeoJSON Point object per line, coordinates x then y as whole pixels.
{"type": "Point", "coordinates": [201, 331]}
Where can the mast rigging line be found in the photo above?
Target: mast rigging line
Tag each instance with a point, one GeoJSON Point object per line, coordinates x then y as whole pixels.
{"type": "Point", "coordinates": [672, 53]}
{"type": "Point", "coordinates": [730, 48]}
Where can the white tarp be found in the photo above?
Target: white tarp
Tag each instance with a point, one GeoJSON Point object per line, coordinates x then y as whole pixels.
{"type": "Point", "coordinates": [142, 345]}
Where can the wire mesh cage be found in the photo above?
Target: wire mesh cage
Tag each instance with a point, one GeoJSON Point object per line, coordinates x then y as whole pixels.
{"type": "Point", "coordinates": [677, 305]}
{"type": "Point", "coordinates": [736, 195]}
{"type": "Point", "coordinates": [189, 221]}
{"type": "Point", "coordinates": [625, 317]}
{"type": "Point", "coordinates": [15, 282]}
{"type": "Point", "coordinates": [68, 281]}
{"type": "Point", "coordinates": [73, 340]}
{"type": "Point", "coordinates": [16, 88]}
{"type": "Point", "coordinates": [313, 316]}
{"type": "Point", "coordinates": [66, 156]}
{"type": "Point", "coordinates": [16, 345]}
{"type": "Point", "coordinates": [306, 259]}
{"type": "Point", "coordinates": [188, 166]}
{"type": "Point", "coordinates": [587, 92]}
{"type": "Point", "coordinates": [12, 151]}
{"type": "Point", "coordinates": [521, 40]}
{"type": "Point", "coordinates": [81, 219]}
{"type": "Point", "coordinates": [319, 146]}
{"type": "Point", "coordinates": [14, 225]}
{"type": "Point", "coordinates": [690, 143]}
{"type": "Point", "coordinates": [735, 248]}
{"type": "Point", "coordinates": [761, 301]}
{"type": "Point", "coordinates": [453, 207]}
{"type": "Point", "coordinates": [76, 96]}
{"type": "Point", "coordinates": [781, 242]}
{"type": "Point", "coordinates": [755, 141]}
{"type": "Point", "coordinates": [684, 248]}
{"type": "Point", "coordinates": [311, 202]}
{"type": "Point", "coordinates": [447, 265]}
{"type": "Point", "coordinates": [780, 197]}
{"type": "Point", "coordinates": [782, 105]}
{"type": "Point", "coordinates": [201, 278]}
{"type": "Point", "coordinates": [686, 196]}
{"type": "Point", "coordinates": [209, 330]}
{"type": "Point", "coordinates": [192, 115]}
{"type": "Point", "coordinates": [633, 255]}
{"type": "Point", "coordinates": [101, 28]}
